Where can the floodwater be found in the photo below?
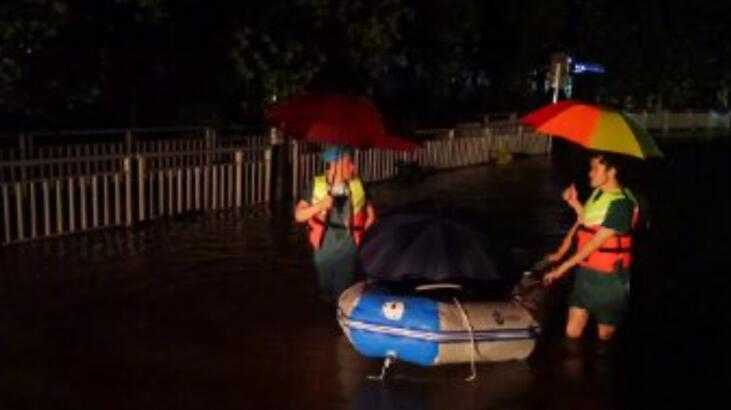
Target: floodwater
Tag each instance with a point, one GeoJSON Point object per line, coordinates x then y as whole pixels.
{"type": "Point", "coordinates": [221, 311]}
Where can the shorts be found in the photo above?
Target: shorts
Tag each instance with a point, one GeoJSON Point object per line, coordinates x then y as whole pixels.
{"type": "Point", "coordinates": [604, 296]}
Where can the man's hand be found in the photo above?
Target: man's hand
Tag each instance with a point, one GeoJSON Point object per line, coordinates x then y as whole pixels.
{"type": "Point", "coordinates": [555, 274]}
{"type": "Point", "coordinates": [304, 211]}
{"type": "Point", "coordinates": [551, 277]}
{"type": "Point", "coordinates": [326, 204]}
{"type": "Point", "coordinates": [571, 196]}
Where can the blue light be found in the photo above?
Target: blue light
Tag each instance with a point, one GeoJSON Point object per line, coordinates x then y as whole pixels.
{"type": "Point", "coordinates": [590, 68]}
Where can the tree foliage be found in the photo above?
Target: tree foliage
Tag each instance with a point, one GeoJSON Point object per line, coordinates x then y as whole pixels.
{"type": "Point", "coordinates": [318, 43]}
{"type": "Point", "coordinates": [25, 28]}
{"type": "Point", "coordinates": [54, 54]}
{"type": "Point", "coordinates": [120, 62]}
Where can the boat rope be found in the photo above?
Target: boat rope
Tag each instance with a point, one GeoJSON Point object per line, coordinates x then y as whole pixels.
{"type": "Point", "coordinates": [473, 345]}
{"type": "Point", "coordinates": [492, 335]}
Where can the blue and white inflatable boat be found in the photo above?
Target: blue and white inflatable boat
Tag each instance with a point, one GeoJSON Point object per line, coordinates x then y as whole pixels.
{"type": "Point", "coordinates": [426, 331]}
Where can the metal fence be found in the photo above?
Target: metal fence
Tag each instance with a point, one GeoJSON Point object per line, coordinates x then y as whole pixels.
{"type": "Point", "coordinates": [56, 197]}
{"type": "Point", "coordinates": [666, 121]}
{"type": "Point", "coordinates": [50, 188]}
{"type": "Point", "coordinates": [75, 144]}
{"type": "Point", "coordinates": [445, 149]}
{"type": "Point", "coordinates": [45, 206]}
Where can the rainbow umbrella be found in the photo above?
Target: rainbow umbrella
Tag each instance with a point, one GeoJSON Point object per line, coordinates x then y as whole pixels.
{"type": "Point", "coordinates": [594, 127]}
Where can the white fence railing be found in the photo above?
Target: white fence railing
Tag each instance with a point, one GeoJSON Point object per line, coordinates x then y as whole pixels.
{"type": "Point", "coordinates": [108, 191]}
{"type": "Point", "coordinates": [55, 190]}
{"type": "Point", "coordinates": [681, 121]}
{"type": "Point", "coordinates": [474, 146]}
{"type": "Point", "coordinates": [122, 142]}
{"type": "Point", "coordinates": [664, 121]}
{"type": "Point", "coordinates": [55, 206]}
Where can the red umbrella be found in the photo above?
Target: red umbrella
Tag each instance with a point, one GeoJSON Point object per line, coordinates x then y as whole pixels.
{"type": "Point", "coordinates": [335, 119]}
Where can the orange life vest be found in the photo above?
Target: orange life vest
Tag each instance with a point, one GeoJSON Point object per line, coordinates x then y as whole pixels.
{"type": "Point", "coordinates": [358, 214]}
{"type": "Point", "coordinates": [616, 252]}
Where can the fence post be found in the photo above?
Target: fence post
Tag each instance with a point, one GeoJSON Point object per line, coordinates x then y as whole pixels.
{"type": "Point", "coordinates": [105, 185]}
{"type": "Point", "coordinates": [171, 200]}
{"type": "Point", "coordinates": [449, 157]}
{"type": "Point", "coordinates": [32, 195]}
{"type": "Point", "coordinates": [160, 193]}
{"type": "Point", "coordinates": [82, 201]}
{"type": "Point", "coordinates": [523, 144]}
{"type": "Point", "coordinates": [72, 207]}
{"type": "Point", "coordinates": [117, 200]}
{"type": "Point", "coordinates": [267, 173]}
{"type": "Point", "coordinates": [46, 208]}
{"type": "Point", "coordinates": [6, 213]}
{"type": "Point", "coordinates": [206, 186]}
{"type": "Point", "coordinates": [59, 207]}
{"type": "Point", "coordinates": [214, 187]}
{"type": "Point", "coordinates": [222, 187]}
{"type": "Point", "coordinates": [230, 190]}
{"type": "Point", "coordinates": [180, 190]}
{"type": "Point", "coordinates": [239, 175]}
{"type": "Point", "coordinates": [128, 188]}
{"type": "Point", "coordinates": [197, 187]}
{"type": "Point", "coordinates": [210, 139]}
{"type": "Point", "coordinates": [284, 163]}
{"type": "Point", "coordinates": [141, 176]}
{"type": "Point", "coordinates": [188, 189]}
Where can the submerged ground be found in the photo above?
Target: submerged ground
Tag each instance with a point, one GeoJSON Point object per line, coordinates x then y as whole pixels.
{"type": "Point", "coordinates": [221, 311]}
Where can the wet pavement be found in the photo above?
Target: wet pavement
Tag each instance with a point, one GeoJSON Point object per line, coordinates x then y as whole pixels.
{"type": "Point", "coordinates": [221, 311]}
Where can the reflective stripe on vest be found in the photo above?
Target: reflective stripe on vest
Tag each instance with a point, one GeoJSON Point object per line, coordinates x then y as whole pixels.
{"type": "Point", "coordinates": [617, 251]}
{"type": "Point", "coordinates": [358, 212]}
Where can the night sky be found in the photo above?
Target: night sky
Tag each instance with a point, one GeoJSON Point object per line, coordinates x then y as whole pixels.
{"type": "Point", "coordinates": [111, 63]}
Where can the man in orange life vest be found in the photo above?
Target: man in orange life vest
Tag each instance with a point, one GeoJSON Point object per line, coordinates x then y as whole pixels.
{"type": "Point", "coordinates": [337, 211]}
{"type": "Point", "coordinates": [604, 248]}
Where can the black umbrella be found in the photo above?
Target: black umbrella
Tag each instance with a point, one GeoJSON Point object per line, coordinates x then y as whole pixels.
{"type": "Point", "coordinates": [424, 243]}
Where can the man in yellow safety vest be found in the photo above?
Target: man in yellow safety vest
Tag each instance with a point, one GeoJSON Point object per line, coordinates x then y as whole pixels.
{"type": "Point", "coordinates": [603, 231]}
{"type": "Point", "coordinates": [337, 212]}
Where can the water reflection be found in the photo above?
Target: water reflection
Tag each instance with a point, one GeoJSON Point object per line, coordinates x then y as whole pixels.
{"type": "Point", "coordinates": [499, 385]}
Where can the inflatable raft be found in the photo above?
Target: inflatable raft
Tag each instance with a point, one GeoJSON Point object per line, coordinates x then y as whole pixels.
{"type": "Point", "coordinates": [426, 331]}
